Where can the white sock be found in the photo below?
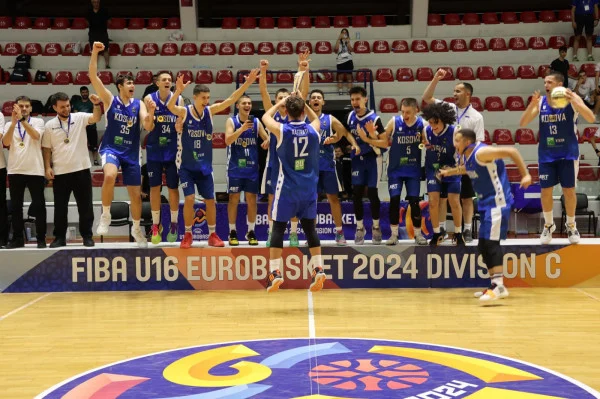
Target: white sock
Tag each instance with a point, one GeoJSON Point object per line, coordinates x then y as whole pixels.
{"type": "Point", "coordinates": [106, 210]}
{"type": "Point", "coordinates": [211, 229]}
{"type": "Point", "coordinates": [359, 224]}
{"type": "Point", "coordinates": [136, 225]}
{"type": "Point", "coordinates": [548, 218]}
{"type": "Point", "coordinates": [274, 264]}
{"type": "Point", "coordinates": [271, 225]}
{"type": "Point", "coordinates": [498, 279]}
{"type": "Point", "coordinates": [442, 225]}
{"type": "Point", "coordinates": [417, 231]}
{"type": "Point", "coordinates": [156, 217]}
{"type": "Point", "coordinates": [231, 226]}
{"type": "Point", "coordinates": [375, 223]}
{"type": "Point", "coordinates": [457, 229]}
{"type": "Point", "coordinates": [294, 227]}
{"type": "Point", "coordinates": [188, 229]}
{"type": "Point", "coordinates": [317, 261]}
{"type": "Point", "coordinates": [394, 230]}
{"type": "Point", "coordinates": [340, 229]}
{"type": "Point", "coordinates": [174, 216]}
{"type": "Point", "coordinates": [436, 229]}
{"type": "Point", "coordinates": [468, 226]}
{"type": "Point", "coordinates": [251, 226]}
{"type": "Point", "coordinates": [571, 220]}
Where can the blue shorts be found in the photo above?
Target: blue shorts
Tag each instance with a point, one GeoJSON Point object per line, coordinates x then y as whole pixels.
{"type": "Point", "coordinates": [446, 187]}
{"type": "Point", "coordinates": [285, 209]}
{"type": "Point", "coordinates": [494, 223]}
{"type": "Point", "coordinates": [155, 171]}
{"type": "Point", "coordinates": [266, 186]}
{"type": "Point", "coordinates": [132, 171]}
{"type": "Point", "coordinates": [562, 171]}
{"type": "Point", "coordinates": [413, 186]}
{"type": "Point", "coordinates": [203, 183]}
{"type": "Point", "coordinates": [366, 170]}
{"type": "Point", "coordinates": [329, 183]}
{"type": "Point", "coordinates": [237, 185]}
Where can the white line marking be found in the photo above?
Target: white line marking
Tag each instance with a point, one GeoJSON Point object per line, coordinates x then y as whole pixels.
{"type": "Point", "coordinates": [311, 317]}
{"type": "Point", "coordinates": [588, 294]}
{"type": "Point", "coordinates": [28, 304]}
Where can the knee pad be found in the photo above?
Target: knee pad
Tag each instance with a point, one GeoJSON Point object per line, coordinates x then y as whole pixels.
{"type": "Point", "coordinates": [277, 234]}
{"type": "Point", "coordinates": [415, 210]}
{"type": "Point", "coordinates": [373, 194]}
{"type": "Point", "coordinates": [483, 250]}
{"type": "Point", "coordinates": [310, 232]}
{"type": "Point", "coordinates": [395, 210]}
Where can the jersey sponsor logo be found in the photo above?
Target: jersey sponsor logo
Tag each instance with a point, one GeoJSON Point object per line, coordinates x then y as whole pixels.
{"type": "Point", "coordinates": [544, 177]}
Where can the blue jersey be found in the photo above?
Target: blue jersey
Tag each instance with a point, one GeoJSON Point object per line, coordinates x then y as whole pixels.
{"type": "Point", "coordinates": [162, 140]}
{"type": "Point", "coordinates": [122, 135]}
{"type": "Point", "coordinates": [326, 152]}
{"type": "Point", "coordinates": [273, 160]}
{"type": "Point", "coordinates": [405, 155]}
{"type": "Point", "coordinates": [194, 152]}
{"type": "Point", "coordinates": [442, 153]}
{"type": "Point", "coordinates": [242, 154]}
{"type": "Point", "coordinates": [353, 122]}
{"type": "Point", "coordinates": [558, 133]}
{"type": "Point", "coordinates": [490, 181]}
{"type": "Point", "coordinates": [298, 152]}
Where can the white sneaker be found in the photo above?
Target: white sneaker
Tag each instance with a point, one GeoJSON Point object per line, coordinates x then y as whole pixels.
{"type": "Point", "coordinates": [573, 234]}
{"type": "Point", "coordinates": [479, 294]}
{"type": "Point", "coordinates": [139, 237]}
{"type": "Point", "coordinates": [393, 240]}
{"type": "Point", "coordinates": [546, 236]}
{"type": "Point", "coordinates": [420, 240]}
{"type": "Point", "coordinates": [102, 228]}
{"type": "Point", "coordinates": [498, 292]}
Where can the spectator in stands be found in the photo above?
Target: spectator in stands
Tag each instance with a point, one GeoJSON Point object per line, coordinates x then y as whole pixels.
{"type": "Point", "coordinates": [588, 91]}
{"type": "Point", "coordinates": [3, 209]}
{"type": "Point", "coordinates": [153, 87]}
{"type": "Point", "coordinates": [98, 28]}
{"type": "Point", "coordinates": [82, 103]}
{"type": "Point", "coordinates": [584, 15]}
{"type": "Point", "coordinates": [561, 64]}
{"type": "Point", "coordinates": [343, 61]}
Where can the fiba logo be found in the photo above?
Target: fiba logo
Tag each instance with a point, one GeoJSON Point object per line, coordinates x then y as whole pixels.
{"type": "Point", "coordinates": [200, 217]}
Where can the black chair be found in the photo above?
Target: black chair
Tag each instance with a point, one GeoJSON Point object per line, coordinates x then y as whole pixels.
{"type": "Point", "coordinates": [119, 213]}
{"type": "Point", "coordinates": [581, 209]}
{"type": "Point", "coordinates": [146, 221]}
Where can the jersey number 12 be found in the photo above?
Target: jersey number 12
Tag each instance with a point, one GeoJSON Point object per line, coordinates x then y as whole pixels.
{"type": "Point", "coordinates": [297, 142]}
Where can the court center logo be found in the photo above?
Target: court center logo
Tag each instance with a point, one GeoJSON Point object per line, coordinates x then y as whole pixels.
{"type": "Point", "coordinates": [326, 369]}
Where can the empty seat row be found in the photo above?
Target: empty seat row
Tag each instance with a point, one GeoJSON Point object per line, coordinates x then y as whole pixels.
{"type": "Point", "coordinates": [304, 22]}
{"type": "Point", "coordinates": [81, 23]}
{"type": "Point", "coordinates": [507, 17]}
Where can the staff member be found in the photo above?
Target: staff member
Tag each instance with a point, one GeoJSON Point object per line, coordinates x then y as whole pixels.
{"type": "Point", "coordinates": [66, 161]}
{"type": "Point", "coordinates": [25, 169]}
{"type": "Point", "coordinates": [3, 210]}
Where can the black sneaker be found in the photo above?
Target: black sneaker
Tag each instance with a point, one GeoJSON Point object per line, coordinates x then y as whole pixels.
{"type": "Point", "coordinates": [468, 235]}
{"type": "Point", "coordinates": [318, 279]}
{"type": "Point", "coordinates": [58, 242]}
{"type": "Point", "coordinates": [233, 240]}
{"type": "Point", "coordinates": [274, 280]}
{"type": "Point", "coordinates": [41, 243]}
{"type": "Point", "coordinates": [458, 240]}
{"type": "Point", "coordinates": [251, 237]}
{"type": "Point", "coordinates": [88, 242]}
{"type": "Point", "coordinates": [436, 239]}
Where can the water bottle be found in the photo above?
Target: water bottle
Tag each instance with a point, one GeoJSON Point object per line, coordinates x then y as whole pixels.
{"type": "Point", "coordinates": [357, 35]}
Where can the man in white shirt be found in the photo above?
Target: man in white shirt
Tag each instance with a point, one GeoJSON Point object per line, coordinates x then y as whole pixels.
{"type": "Point", "coordinates": [468, 118]}
{"type": "Point", "coordinates": [66, 161]}
{"type": "Point", "coordinates": [25, 170]}
{"type": "Point", "coordinates": [3, 210]}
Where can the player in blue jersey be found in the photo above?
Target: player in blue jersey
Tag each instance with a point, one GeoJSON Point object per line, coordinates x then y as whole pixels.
{"type": "Point", "coordinates": [484, 165]}
{"type": "Point", "coordinates": [367, 164]}
{"type": "Point", "coordinates": [161, 149]}
{"type": "Point", "coordinates": [439, 154]}
{"type": "Point", "coordinates": [403, 135]}
{"type": "Point", "coordinates": [558, 151]}
{"type": "Point", "coordinates": [194, 155]}
{"type": "Point", "coordinates": [296, 192]}
{"type": "Point", "coordinates": [120, 147]}
{"type": "Point", "coordinates": [241, 136]}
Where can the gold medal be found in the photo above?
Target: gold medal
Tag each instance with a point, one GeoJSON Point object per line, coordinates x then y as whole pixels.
{"type": "Point", "coordinates": [66, 141]}
{"type": "Point", "coordinates": [21, 144]}
{"type": "Point", "coordinates": [130, 123]}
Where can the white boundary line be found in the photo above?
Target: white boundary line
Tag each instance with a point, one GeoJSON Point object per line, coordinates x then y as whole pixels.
{"type": "Point", "coordinates": [588, 294]}
{"type": "Point", "coordinates": [311, 317]}
{"type": "Point", "coordinates": [28, 304]}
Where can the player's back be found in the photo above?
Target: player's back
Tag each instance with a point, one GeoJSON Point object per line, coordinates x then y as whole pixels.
{"type": "Point", "coordinates": [489, 181]}
{"type": "Point", "coordinates": [558, 137]}
{"type": "Point", "coordinates": [122, 135]}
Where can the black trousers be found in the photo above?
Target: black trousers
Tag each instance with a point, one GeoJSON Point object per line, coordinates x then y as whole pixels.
{"type": "Point", "coordinates": [35, 185]}
{"type": "Point", "coordinates": [3, 209]}
{"type": "Point", "coordinates": [92, 137]}
{"type": "Point", "coordinates": [80, 184]}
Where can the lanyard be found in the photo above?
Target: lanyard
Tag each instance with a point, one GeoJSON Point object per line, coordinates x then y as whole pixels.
{"type": "Point", "coordinates": [197, 113]}
{"type": "Point", "coordinates": [68, 126]}
{"type": "Point", "coordinates": [22, 135]}
{"type": "Point", "coordinates": [463, 113]}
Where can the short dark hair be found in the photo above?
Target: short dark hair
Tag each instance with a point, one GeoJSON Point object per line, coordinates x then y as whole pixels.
{"type": "Point", "coordinates": [558, 76]}
{"type": "Point", "coordinates": [409, 102]}
{"type": "Point", "coordinates": [358, 90]}
{"type": "Point", "coordinates": [317, 91]}
{"type": "Point", "coordinates": [201, 89]}
{"type": "Point", "coordinates": [469, 134]}
{"type": "Point", "coordinates": [468, 87]}
{"type": "Point", "coordinates": [443, 112]}
{"type": "Point", "coordinates": [294, 106]}
{"type": "Point", "coordinates": [243, 96]}
{"type": "Point", "coordinates": [282, 90]}
{"type": "Point", "coordinates": [82, 88]}
{"type": "Point", "coordinates": [23, 98]}
{"type": "Point", "coordinates": [60, 96]}
{"type": "Point", "coordinates": [163, 72]}
{"type": "Point", "coordinates": [122, 78]}
{"type": "Point", "coordinates": [563, 48]}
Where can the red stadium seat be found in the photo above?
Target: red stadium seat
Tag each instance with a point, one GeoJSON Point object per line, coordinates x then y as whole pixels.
{"type": "Point", "coordinates": [388, 105]}
{"type": "Point", "coordinates": [5, 22]}
{"type": "Point", "coordinates": [143, 78]}
{"type": "Point", "coordinates": [188, 76]}
{"type": "Point", "coordinates": [509, 17]}
{"type": "Point", "coordinates": [241, 75]}
{"type": "Point", "coordinates": [362, 47]}
{"type": "Point", "coordinates": [419, 46]}
{"type": "Point", "coordinates": [381, 46]}
{"type": "Point", "coordinates": [490, 18]}
{"type": "Point", "coordinates": [515, 103]}
{"type": "Point", "coordinates": [573, 70]}
{"type": "Point", "coordinates": [169, 48]}
{"type": "Point", "coordinates": [303, 22]}
{"type": "Point", "coordinates": [98, 177]}
{"type": "Point", "coordinates": [82, 78]}
{"type": "Point", "coordinates": [52, 49]}
{"type": "Point", "coordinates": [173, 23]}
{"type": "Point", "coordinates": [189, 49]}
{"type": "Point", "coordinates": [526, 72]}
{"type": "Point", "coordinates": [246, 48]}
{"type": "Point", "coordinates": [106, 77]}
{"type": "Point", "coordinates": [132, 49]}
{"type": "Point", "coordinates": [266, 23]}
{"type": "Point", "coordinates": [117, 23]}
{"type": "Point", "coordinates": [506, 72]}
{"type": "Point", "coordinates": [79, 23]}
{"type": "Point", "coordinates": [69, 50]}
{"type": "Point", "coordinates": [512, 172]}
{"type": "Point", "coordinates": [150, 49]}
{"type": "Point", "coordinates": [284, 77]}
{"type": "Point", "coordinates": [124, 73]}
{"type": "Point", "coordinates": [590, 69]}
{"type": "Point", "coordinates": [22, 23]}
{"type": "Point", "coordinates": [449, 100]}
{"type": "Point", "coordinates": [400, 46]}
{"type": "Point", "coordinates": [498, 44]}
{"type": "Point", "coordinates": [582, 41]}
{"type": "Point", "coordinates": [340, 21]}
{"type": "Point", "coordinates": [404, 75]}
{"type": "Point", "coordinates": [534, 171]}
{"type": "Point", "coordinates": [266, 48]}
{"type": "Point", "coordinates": [204, 77]}
{"type": "Point", "coordinates": [271, 80]}
{"type": "Point", "coordinates": [218, 140]}
{"type": "Point", "coordinates": [378, 21]}
{"type": "Point", "coordinates": [476, 103]}
{"type": "Point", "coordinates": [471, 18]}
{"type": "Point", "coordinates": [114, 49]}
{"type": "Point", "coordinates": [48, 78]}
{"type": "Point", "coordinates": [248, 23]}
{"type": "Point", "coordinates": [537, 43]}
{"type": "Point", "coordinates": [434, 20]}
{"type": "Point", "coordinates": [547, 16]}
{"type": "Point", "coordinates": [364, 75]}
{"type": "Point", "coordinates": [384, 75]}
{"type": "Point", "coordinates": [494, 103]}
{"type": "Point", "coordinates": [229, 23]}
{"type": "Point", "coordinates": [7, 108]}
{"type": "Point", "coordinates": [586, 173]}
{"type": "Point", "coordinates": [528, 17]}
{"type": "Point", "coordinates": [322, 21]}
{"type": "Point", "coordinates": [156, 23]}
{"type": "Point", "coordinates": [12, 49]}
{"type": "Point", "coordinates": [525, 136]}
{"type": "Point", "coordinates": [478, 44]}
{"type": "Point", "coordinates": [449, 73]}
{"type": "Point", "coordinates": [503, 137]}
{"type": "Point", "coordinates": [458, 45]}
{"type": "Point", "coordinates": [465, 73]}
{"type": "Point", "coordinates": [424, 74]}
{"type": "Point", "coordinates": [303, 46]}
{"type": "Point", "coordinates": [224, 76]}
{"type": "Point", "coordinates": [227, 48]}
{"type": "Point", "coordinates": [517, 43]}
{"type": "Point", "coordinates": [136, 23]}
{"type": "Point", "coordinates": [208, 49]}
{"type": "Point", "coordinates": [438, 46]}
{"type": "Point", "coordinates": [564, 15]}
{"type": "Point", "coordinates": [285, 23]}
{"type": "Point", "coordinates": [324, 77]}
{"type": "Point", "coordinates": [452, 19]}
{"type": "Point", "coordinates": [61, 23]}
{"type": "Point", "coordinates": [543, 70]}
{"type": "Point", "coordinates": [285, 48]}
{"type": "Point", "coordinates": [323, 47]}
{"type": "Point", "coordinates": [487, 139]}
{"type": "Point", "coordinates": [63, 78]}
{"type": "Point", "coordinates": [359, 21]}
{"type": "Point", "coordinates": [588, 133]}
{"type": "Point", "coordinates": [556, 42]}
{"type": "Point", "coordinates": [33, 49]}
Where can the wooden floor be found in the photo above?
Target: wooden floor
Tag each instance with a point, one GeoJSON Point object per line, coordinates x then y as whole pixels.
{"type": "Point", "coordinates": [63, 334]}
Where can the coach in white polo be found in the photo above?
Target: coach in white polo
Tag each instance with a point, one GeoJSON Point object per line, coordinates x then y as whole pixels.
{"type": "Point", "coordinates": [25, 170]}
{"type": "Point", "coordinates": [66, 161]}
{"type": "Point", "coordinates": [3, 210]}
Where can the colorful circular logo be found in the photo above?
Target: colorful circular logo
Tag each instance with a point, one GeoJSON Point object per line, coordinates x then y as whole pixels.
{"type": "Point", "coordinates": [328, 368]}
{"type": "Point", "coordinates": [200, 217]}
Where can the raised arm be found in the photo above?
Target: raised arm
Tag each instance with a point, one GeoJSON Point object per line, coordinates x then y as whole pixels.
{"type": "Point", "coordinates": [430, 89]}
{"type": "Point", "coordinates": [532, 111]}
{"type": "Point", "coordinates": [148, 123]}
{"type": "Point", "coordinates": [31, 131]}
{"type": "Point", "coordinates": [580, 107]}
{"type": "Point", "coordinates": [303, 65]}
{"type": "Point", "coordinates": [262, 83]}
{"type": "Point", "coordinates": [271, 124]}
{"type": "Point", "coordinates": [97, 115]}
{"type": "Point", "coordinates": [172, 104]}
{"type": "Point", "coordinates": [102, 91]}
{"type": "Point", "coordinates": [229, 101]}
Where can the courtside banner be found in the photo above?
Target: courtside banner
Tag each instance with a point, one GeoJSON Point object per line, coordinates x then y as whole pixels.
{"type": "Point", "coordinates": [244, 268]}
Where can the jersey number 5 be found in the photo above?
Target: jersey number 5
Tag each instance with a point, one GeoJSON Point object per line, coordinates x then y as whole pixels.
{"type": "Point", "coordinates": [297, 142]}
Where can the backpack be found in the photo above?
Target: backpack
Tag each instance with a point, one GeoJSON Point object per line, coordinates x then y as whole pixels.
{"type": "Point", "coordinates": [37, 107]}
{"type": "Point", "coordinates": [23, 61]}
{"type": "Point", "coordinates": [41, 76]}
{"type": "Point", "coordinates": [48, 106]}
{"type": "Point", "coordinates": [19, 75]}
